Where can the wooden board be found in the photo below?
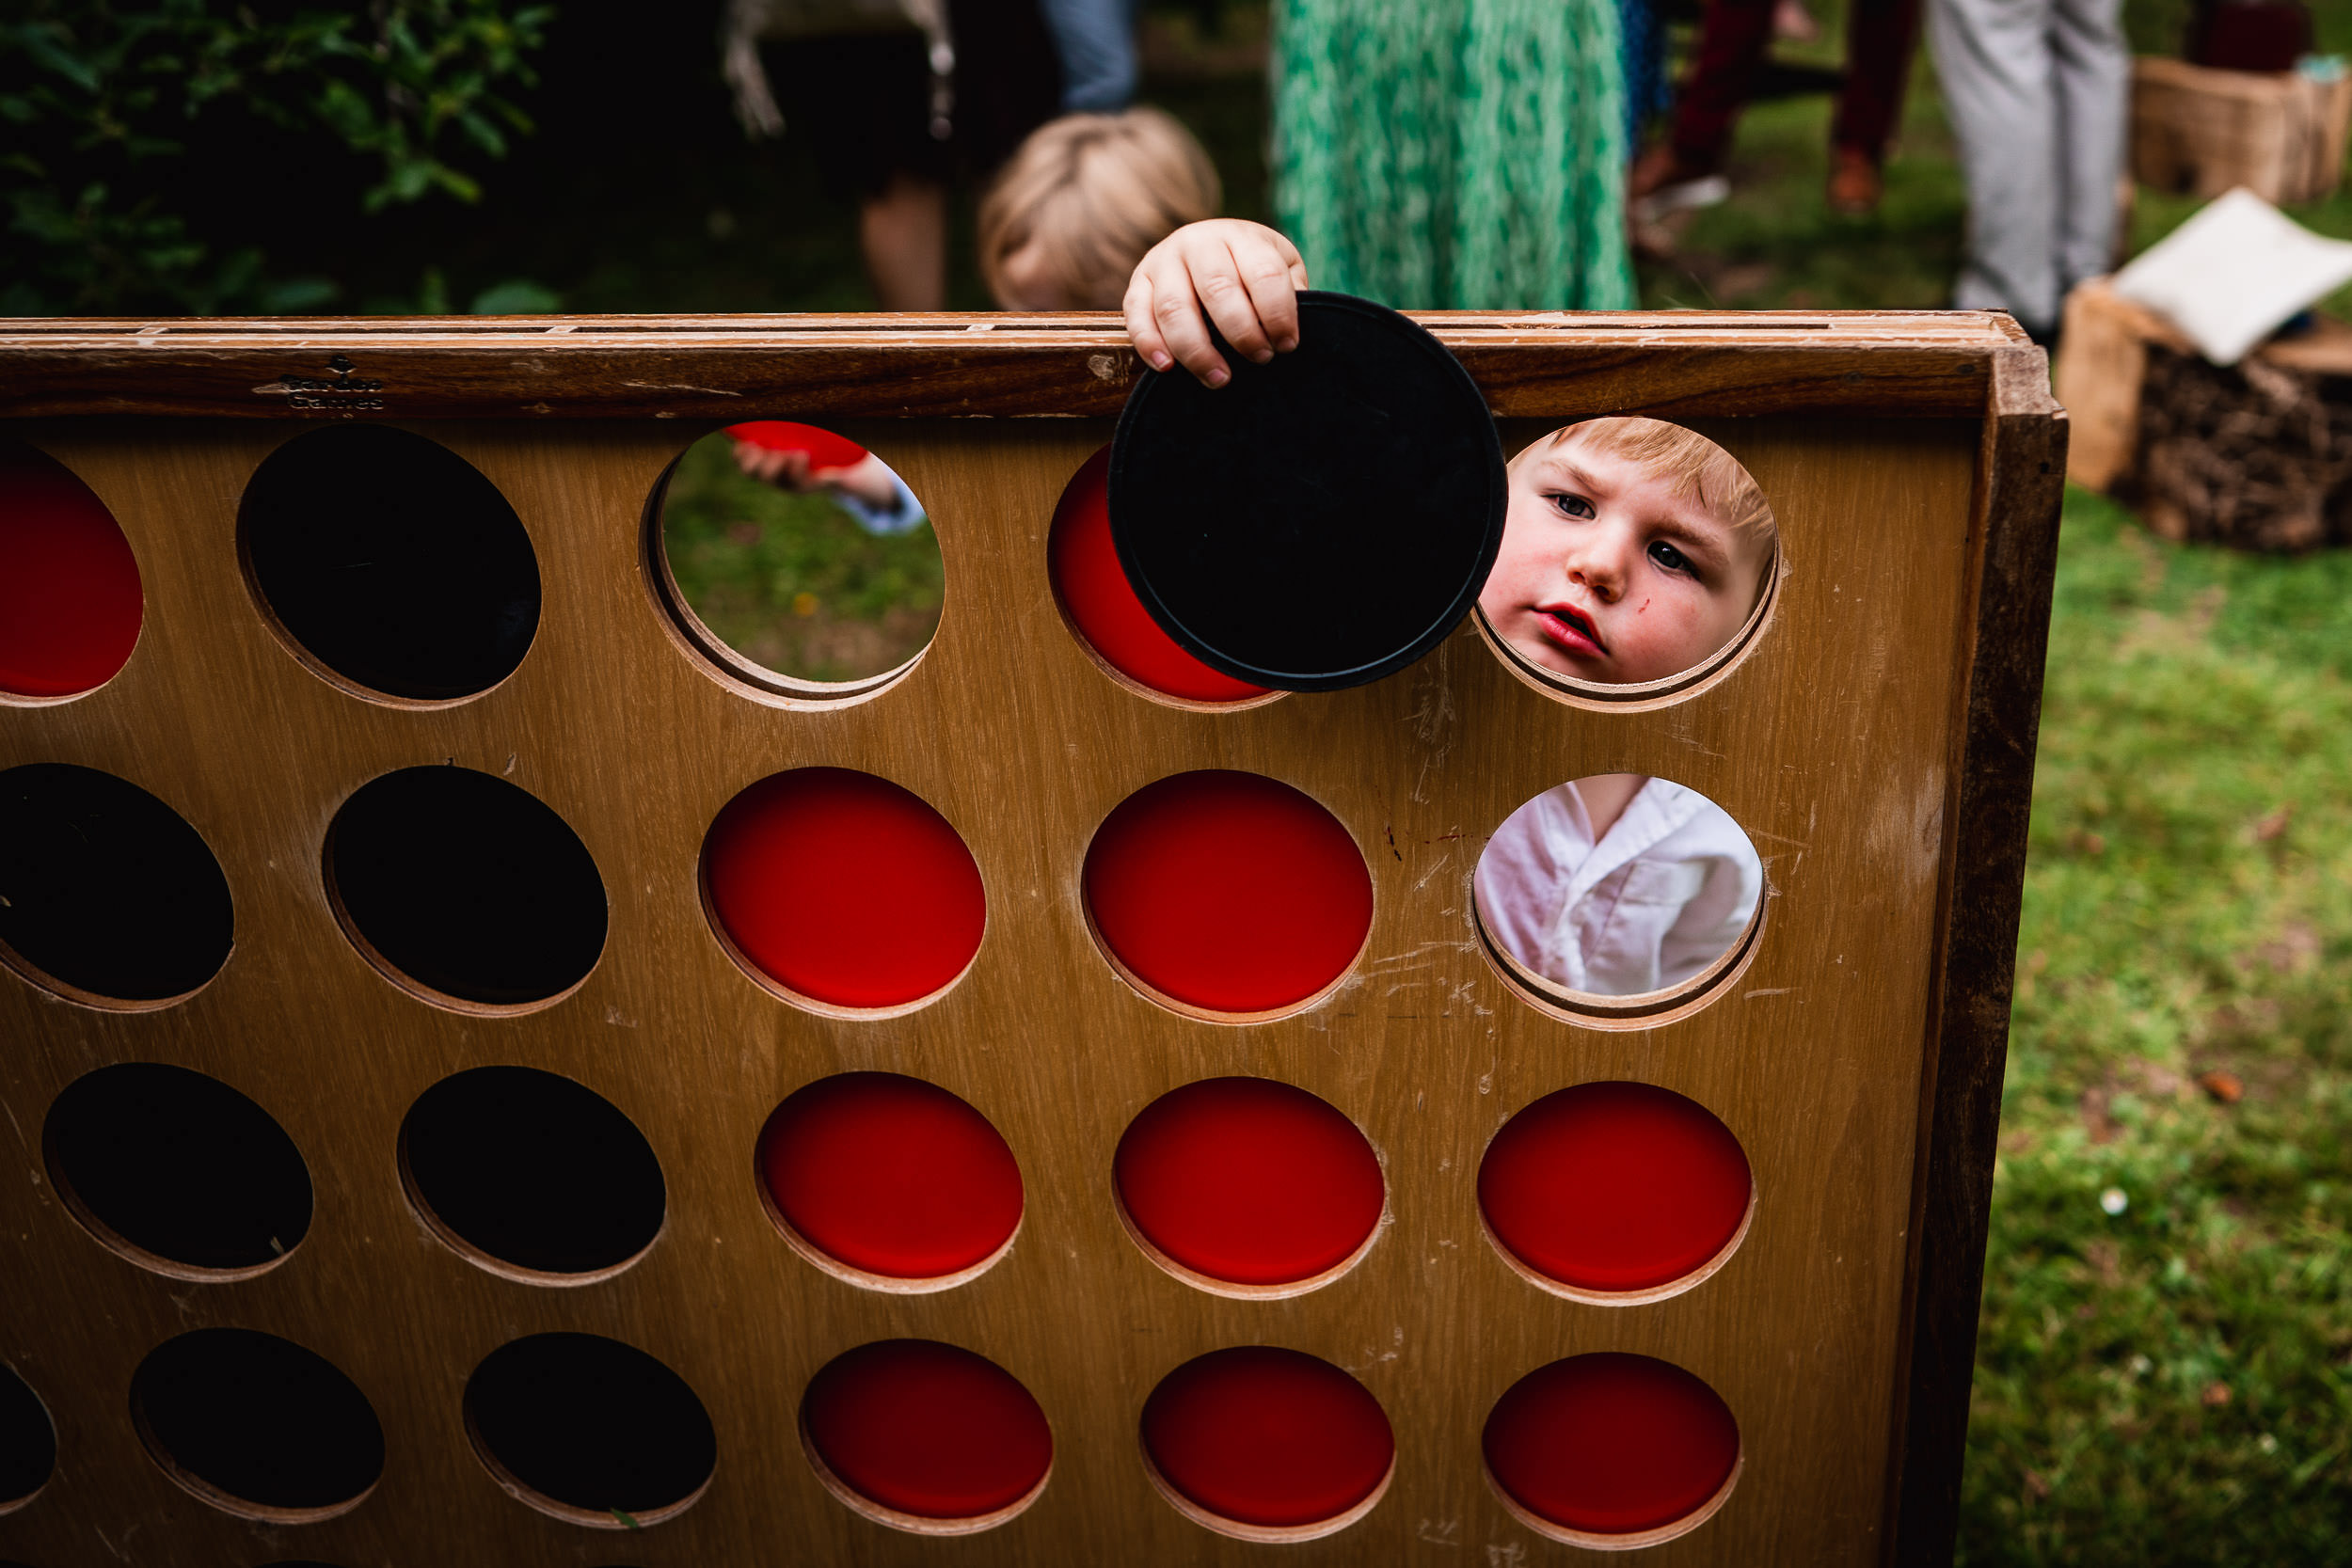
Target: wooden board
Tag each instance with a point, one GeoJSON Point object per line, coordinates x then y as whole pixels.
{"type": "Point", "coordinates": [1875, 745]}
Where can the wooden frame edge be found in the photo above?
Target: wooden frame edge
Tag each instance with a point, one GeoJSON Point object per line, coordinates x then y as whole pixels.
{"type": "Point", "coordinates": [2022, 476]}
{"type": "Point", "coordinates": [1933, 364]}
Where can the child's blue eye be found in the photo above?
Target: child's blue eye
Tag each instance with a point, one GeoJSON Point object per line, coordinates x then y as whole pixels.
{"type": "Point", "coordinates": [1671, 559]}
{"type": "Point", "coordinates": [1575, 506]}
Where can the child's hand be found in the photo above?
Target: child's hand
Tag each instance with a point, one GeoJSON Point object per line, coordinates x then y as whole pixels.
{"type": "Point", "coordinates": [1244, 275]}
{"type": "Point", "coordinates": [788, 469]}
{"type": "Point", "coordinates": [785, 467]}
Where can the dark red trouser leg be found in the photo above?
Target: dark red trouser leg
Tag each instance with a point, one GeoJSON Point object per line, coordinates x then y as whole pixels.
{"type": "Point", "coordinates": [1878, 39]}
{"type": "Point", "coordinates": [1733, 36]}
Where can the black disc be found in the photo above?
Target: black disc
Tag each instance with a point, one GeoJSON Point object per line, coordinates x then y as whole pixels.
{"type": "Point", "coordinates": [392, 559]}
{"type": "Point", "coordinates": [1321, 520]}
{"type": "Point", "coordinates": [105, 888]}
{"type": "Point", "coordinates": [468, 884]}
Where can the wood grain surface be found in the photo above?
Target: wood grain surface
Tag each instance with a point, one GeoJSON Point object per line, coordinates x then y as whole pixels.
{"type": "Point", "coordinates": [1874, 743]}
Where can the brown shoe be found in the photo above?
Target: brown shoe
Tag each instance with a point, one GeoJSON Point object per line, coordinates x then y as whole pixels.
{"type": "Point", "coordinates": [1855, 182]}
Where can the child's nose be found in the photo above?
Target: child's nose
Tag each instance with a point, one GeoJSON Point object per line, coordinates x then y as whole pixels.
{"type": "Point", "coordinates": [1598, 562]}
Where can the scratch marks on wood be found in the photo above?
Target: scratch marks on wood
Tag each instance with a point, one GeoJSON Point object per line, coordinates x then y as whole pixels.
{"type": "Point", "coordinates": [1432, 718]}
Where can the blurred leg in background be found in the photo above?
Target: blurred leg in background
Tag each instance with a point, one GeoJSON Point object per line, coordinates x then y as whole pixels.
{"type": "Point", "coordinates": [865, 102]}
{"type": "Point", "coordinates": [2037, 93]}
{"type": "Point", "coordinates": [892, 119]}
{"type": "Point", "coordinates": [1735, 37]}
{"type": "Point", "coordinates": [903, 231]}
{"type": "Point", "coordinates": [2094, 96]}
{"type": "Point", "coordinates": [1878, 39]}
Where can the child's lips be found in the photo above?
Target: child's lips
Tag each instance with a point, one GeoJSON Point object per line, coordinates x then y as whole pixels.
{"type": "Point", "coordinates": [1568, 626]}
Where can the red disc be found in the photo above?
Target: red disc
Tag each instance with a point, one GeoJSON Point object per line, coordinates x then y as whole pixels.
{"type": "Point", "coordinates": [1248, 1181]}
{"type": "Point", "coordinates": [1228, 891]}
{"type": "Point", "coordinates": [1085, 572]}
{"type": "Point", "coordinates": [1615, 1186]}
{"type": "Point", "coordinates": [70, 599]}
{"type": "Point", "coordinates": [1267, 1436]}
{"type": "Point", "coordinates": [891, 1175]}
{"type": "Point", "coordinates": [843, 887]}
{"type": "Point", "coordinates": [928, 1429]}
{"type": "Point", "coordinates": [1610, 1444]}
{"type": "Point", "coordinates": [825, 449]}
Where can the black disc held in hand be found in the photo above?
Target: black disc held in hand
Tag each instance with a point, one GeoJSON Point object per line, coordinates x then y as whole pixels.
{"type": "Point", "coordinates": [1321, 520]}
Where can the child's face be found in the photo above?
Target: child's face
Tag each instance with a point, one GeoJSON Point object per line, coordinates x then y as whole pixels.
{"type": "Point", "coordinates": [1607, 574]}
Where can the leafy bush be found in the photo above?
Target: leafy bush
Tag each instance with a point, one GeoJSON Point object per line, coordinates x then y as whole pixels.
{"type": "Point", "coordinates": [105, 106]}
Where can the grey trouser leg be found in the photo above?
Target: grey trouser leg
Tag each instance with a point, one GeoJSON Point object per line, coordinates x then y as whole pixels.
{"type": "Point", "coordinates": [2037, 92]}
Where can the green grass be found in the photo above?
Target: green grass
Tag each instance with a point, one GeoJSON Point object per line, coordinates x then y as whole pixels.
{"type": "Point", "coordinates": [791, 581]}
{"type": "Point", "coordinates": [2173, 1384]}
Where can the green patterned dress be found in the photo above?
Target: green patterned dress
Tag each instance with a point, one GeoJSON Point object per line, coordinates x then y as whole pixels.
{"type": "Point", "coordinates": [1454, 154]}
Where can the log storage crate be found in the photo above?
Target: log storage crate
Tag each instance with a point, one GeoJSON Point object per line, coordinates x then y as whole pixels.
{"type": "Point", "coordinates": [2197, 129]}
{"type": "Point", "coordinates": [2254, 455]}
{"type": "Point", "coordinates": [400, 1390]}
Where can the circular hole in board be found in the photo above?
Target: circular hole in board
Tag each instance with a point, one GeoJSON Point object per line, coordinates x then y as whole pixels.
{"type": "Point", "coordinates": [1246, 1186]}
{"type": "Point", "coordinates": [1615, 1193]}
{"type": "Point", "coordinates": [256, 1425]}
{"type": "Point", "coordinates": [530, 1175]}
{"type": "Point", "coordinates": [176, 1171]}
{"type": "Point", "coordinates": [590, 1431]}
{"type": "Point", "coordinates": [925, 1437]}
{"type": "Point", "coordinates": [1324, 520]}
{"type": "Point", "coordinates": [28, 1442]}
{"type": "Point", "coordinates": [842, 892]}
{"type": "Point", "coordinates": [108, 896]}
{"type": "Point", "coordinates": [464, 890]}
{"type": "Point", "coordinates": [69, 596]}
{"type": "Point", "coordinates": [1639, 563]}
{"type": "Point", "coordinates": [1611, 1450]}
{"type": "Point", "coordinates": [389, 565]}
{"type": "Point", "coordinates": [1228, 896]}
{"type": "Point", "coordinates": [1109, 622]}
{"type": "Point", "coordinates": [889, 1182]}
{"type": "Point", "coordinates": [794, 561]}
{"type": "Point", "coordinates": [1619, 901]}
{"type": "Point", "coordinates": [1267, 1443]}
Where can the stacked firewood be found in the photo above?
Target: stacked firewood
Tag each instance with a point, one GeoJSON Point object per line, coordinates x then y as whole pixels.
{"type": "Point", "coordinates": [2257, 457]}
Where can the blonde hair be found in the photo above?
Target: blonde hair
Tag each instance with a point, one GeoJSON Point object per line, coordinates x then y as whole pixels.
{"type": "Point", "coordinates": [1092, 193]}
{"type": "Point", "coordinates": [1697, 467]}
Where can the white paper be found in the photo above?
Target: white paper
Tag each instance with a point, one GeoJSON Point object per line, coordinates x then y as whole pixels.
{"type": "Point", "coordinates": [2232, 275]}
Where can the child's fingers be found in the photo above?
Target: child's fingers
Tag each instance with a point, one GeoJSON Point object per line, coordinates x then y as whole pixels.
{"type": "Point", "coordinates": [1175, 314]}
{"type": "Point", "coordinates": [1272, 280]}
{"type": "Point", "coordinates": [1141, 329]}
{"type": "Point", "coordinates": [1216, 270]}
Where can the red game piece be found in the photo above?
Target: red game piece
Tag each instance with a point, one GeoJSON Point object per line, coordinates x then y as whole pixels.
{"type": "Point", "coordinates": [1612, 1444]}
{"type": "Point", "coordinates": [891, 1175]}
{"type": "Point", "coordinates": [69, 595]}
{"type": "Point", "coordinates": [844, 888]}
{"type": "Point", "coordinates": [1615, 1186]}
{"type": "Point", "coordinates": [1101, 604]}
{"type": "Point", "coordinates": [1228, 892]}
{"type": "Point", "coordinates": [1248, 1181]}
{"type": "Point", "coordinates": [1268, 1437]}
{"type": "Point", "coordinates": [930, 1430]}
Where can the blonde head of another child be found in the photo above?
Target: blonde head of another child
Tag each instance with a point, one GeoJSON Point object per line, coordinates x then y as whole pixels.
{"type": "Point", "coordinates": [1082, 201]}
